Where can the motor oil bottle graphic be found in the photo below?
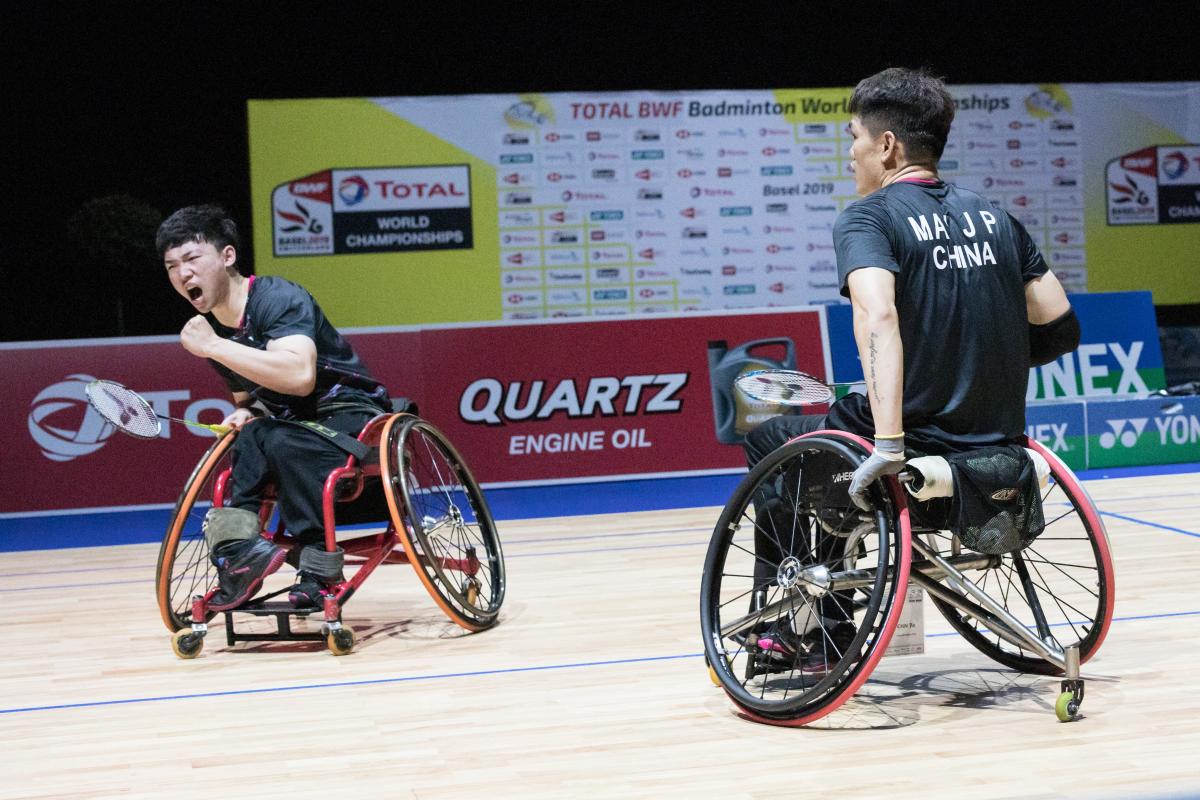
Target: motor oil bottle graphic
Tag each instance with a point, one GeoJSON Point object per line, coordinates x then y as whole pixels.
{"type": "Point", "coordinates": [735, 414]}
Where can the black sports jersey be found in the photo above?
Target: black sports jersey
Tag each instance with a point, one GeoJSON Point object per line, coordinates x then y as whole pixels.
{"type": "Point", "coordinates": [276, 307]}
{"type": "Point", "coordinates": [961, 266]}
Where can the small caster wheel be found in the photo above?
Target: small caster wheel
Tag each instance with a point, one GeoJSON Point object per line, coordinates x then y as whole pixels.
{"type": "Point", "coordinates": [712, 676]}
{"type": "Point", "coordinates": [187, 643]}
{"type": "Point", "coordinates": [471, 590]}
{"type": "Point", "coordinates": [341, 641]}
{"type": "Point", "coordinates": [1066, 708]}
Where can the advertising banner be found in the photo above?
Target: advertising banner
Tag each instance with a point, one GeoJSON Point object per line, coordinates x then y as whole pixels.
{"type": "Point", "coordinates": [60, 453]}
{"type": "Point", "coordinates": [414, 210]}
{"type": "Point", "coordinates": [529, 402]}
{"type": "Point", "coordinates": [1061, 427]}
{"type": "Point", "coordinates": [1163, 430]}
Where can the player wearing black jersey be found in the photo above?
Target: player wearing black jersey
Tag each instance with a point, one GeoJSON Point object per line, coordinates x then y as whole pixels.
{"type": "Point", "coordinates": [952, 302]}
{"type": "Point", "coordinates": [284, 363]}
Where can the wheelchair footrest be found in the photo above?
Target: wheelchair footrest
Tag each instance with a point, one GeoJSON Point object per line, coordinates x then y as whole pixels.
{"type": "Point", "coordinates": [283, 613]}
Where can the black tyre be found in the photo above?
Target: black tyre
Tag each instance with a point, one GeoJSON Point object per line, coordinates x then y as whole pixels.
{"type": "Point", "coordinates": [785, 540]}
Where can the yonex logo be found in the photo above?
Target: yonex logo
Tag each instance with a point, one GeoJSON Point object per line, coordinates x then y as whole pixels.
{"type": "Point", "coordinates": [1125, 431]}
{"type": "Point", "coordinates": [1050, 434]}
{"type": "Point", "coordinates": [1173, 428]}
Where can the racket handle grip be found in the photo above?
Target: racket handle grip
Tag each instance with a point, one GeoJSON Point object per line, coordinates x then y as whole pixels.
{"type": "Point", "coordinates": [219, 430]}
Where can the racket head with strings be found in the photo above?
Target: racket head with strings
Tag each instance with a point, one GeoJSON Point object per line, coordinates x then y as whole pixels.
{"type": "Point", "coordinates": [124, 408]}
{"type": "Point", "coordinates": [785, 387]}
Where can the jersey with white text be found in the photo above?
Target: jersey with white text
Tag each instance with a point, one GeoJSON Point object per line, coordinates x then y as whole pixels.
{"type": "Point", "coordinates": [961, 266]}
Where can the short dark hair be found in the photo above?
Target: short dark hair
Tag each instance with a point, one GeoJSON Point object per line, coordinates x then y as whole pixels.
{"type": "Point", "coordinates": [911, 103]}
{"type": "Point", "coordinates": [203, 223]}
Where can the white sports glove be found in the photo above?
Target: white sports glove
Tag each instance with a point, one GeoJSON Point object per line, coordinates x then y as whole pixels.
{"type": "Point", "coordinates": [888, 459]}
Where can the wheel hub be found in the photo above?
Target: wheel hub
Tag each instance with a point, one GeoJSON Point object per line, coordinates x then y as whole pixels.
{"type": "Point", "coordinates": [789, 572]}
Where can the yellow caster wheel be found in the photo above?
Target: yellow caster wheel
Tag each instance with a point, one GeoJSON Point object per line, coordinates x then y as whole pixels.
{"type": "Point", "coordinates": [187, 643]}
{"type": "Point", "coordinates": [1066, 708]}
{"type": "Point", "coordinates": [712, 676]}
{"type": "Point", "coordinates": [340, 641]}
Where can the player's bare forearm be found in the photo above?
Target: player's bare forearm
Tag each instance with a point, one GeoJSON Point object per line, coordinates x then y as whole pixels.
{"type": "Point", "coordinates": [288, 365]}
{"type": "Point", "coordinates": [877, 333]}
{"type": "Point", "coordinates": [882, 355]}
{"type": "Point", "coordinates": [285, 369]}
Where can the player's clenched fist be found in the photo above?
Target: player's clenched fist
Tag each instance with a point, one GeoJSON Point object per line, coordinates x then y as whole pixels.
{"type": "Point", "coordinates": [198, 337]}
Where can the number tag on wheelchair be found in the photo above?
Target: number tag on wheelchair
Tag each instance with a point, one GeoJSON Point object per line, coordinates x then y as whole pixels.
{"type": "Point", "coordinates": [909, 638]}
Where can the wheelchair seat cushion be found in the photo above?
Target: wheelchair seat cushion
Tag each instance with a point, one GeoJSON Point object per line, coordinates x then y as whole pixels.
{"type": "Point", "coordinates": [996, 507]}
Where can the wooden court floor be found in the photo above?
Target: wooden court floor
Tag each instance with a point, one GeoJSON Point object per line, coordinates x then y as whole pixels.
{"type": "Point", "coordinates": [592, 686]}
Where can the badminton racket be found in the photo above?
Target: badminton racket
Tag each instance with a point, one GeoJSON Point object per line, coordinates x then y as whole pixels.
{"type": "Point", "coordinates": [784, 387]}
{"type": "Point", "coordinates": [130, 413]}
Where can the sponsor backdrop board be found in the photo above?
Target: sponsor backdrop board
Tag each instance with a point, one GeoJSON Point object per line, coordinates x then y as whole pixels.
{"type": "Point", "coordinates": [523, 402]}
{"type": "Point", "coordinates": [484, 207]}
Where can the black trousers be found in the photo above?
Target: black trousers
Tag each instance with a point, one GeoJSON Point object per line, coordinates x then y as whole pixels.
{"type": "Point", "coordinates": [773, 517]}
{"type": "Point", "coordinates": [296, 461]}
{"type": "Point", "coordinates": [775, 432]}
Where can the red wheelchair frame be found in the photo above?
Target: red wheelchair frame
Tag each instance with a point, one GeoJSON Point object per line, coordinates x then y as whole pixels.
{"type": "Point", "coordinates": [437, 520]}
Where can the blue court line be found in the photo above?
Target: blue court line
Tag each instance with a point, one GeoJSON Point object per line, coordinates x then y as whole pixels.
{"type": "Point", "coordinates": [506, 543]}
{"type": "Point", "coordinates": [341, 684]}
{"type": "Point", "coordinates": [1080, 622]}
{"type": "Point", "coordinates": [1150, 524]}
{"type": "Point", "coordinates": [507, 557]}
{"type": "Point", "coordinates": [73, 585]}
{"type": "Point", "coordinates": [440, 676]}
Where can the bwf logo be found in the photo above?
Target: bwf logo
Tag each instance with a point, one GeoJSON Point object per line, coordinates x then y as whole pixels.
{"type": "Point", "coordinates": [1125, 431]}
{"type": "Point", "coordinates": [65, 426]}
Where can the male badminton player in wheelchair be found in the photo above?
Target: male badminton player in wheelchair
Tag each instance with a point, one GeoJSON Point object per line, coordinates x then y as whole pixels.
{"type": "Point", "coordinates": [287, 367]}
{"type": "Point", "coordinates": [952, 303]}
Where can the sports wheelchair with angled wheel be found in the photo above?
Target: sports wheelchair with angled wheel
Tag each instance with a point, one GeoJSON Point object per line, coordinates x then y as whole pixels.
{"type": "Point", "coordinates": [412, 483]}
{"type": "Point", "coordinates": [802, 590]}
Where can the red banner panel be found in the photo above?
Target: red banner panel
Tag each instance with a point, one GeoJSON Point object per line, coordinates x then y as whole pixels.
{"type": "Point", "coordinates": [522, 402]}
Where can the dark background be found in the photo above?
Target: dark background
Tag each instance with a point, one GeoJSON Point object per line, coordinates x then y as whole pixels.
{"type": "Point", "coordinates": [147, 101]}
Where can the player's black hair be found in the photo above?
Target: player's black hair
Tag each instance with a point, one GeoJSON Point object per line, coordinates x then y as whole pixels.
{"type": "Point", "coordinates": [203, 223]}
{"type": "Point", "coordinates": [913, 104]}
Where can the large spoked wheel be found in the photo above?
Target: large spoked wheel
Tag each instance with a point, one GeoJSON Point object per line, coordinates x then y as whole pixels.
{"type": "Point", "coordinates": [1069, 569]}
{"type": "Point", "coordinates": [790, 550]}
{"type": "Point", "coordinates": [184, 568]}
{"type": "Point", "coordinates": [443, 522]}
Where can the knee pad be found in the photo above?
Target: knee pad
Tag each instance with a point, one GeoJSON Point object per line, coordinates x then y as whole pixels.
{"type": "Point", "coordinates": [229, 524]}
{"type": "Point", "coordinates": [321, 563]}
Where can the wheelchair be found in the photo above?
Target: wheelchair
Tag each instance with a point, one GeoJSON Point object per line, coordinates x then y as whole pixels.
{"type": "Point", "coordinates": [412, 482]}
{"type": "Point", "coordinates": [773, 574]}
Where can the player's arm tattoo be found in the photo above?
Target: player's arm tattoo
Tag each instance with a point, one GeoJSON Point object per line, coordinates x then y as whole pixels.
{"type": "Point", "coordinates": [873, 348]}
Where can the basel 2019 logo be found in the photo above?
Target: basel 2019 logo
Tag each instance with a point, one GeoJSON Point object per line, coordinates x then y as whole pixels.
{"type": "Point", "coordinates": [1157, 185]}
{"type": "Point", "coordinates": [63, 424]}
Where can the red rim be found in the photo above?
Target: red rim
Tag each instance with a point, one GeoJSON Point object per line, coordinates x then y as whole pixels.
{"type": "Point", "coordinates": [1063, 474]}
{"type": "Point", "coordinates": [890, 621]}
